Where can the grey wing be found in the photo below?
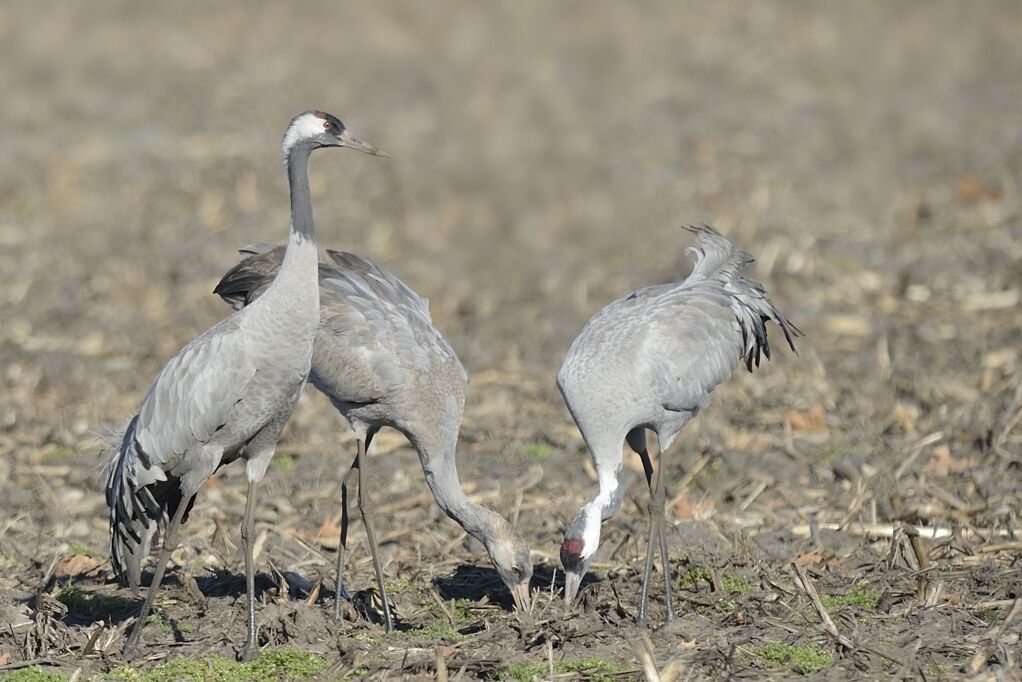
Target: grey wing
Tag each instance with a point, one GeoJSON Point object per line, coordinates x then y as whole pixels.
{"type": "Point", "coordinates": [384, 284]}
{"type": "Point", "coordinates": [375, 334]}
{"type": "Point", "coordinates": [194, 395]}
{"type": "Point", "coordinates": [693, 344]}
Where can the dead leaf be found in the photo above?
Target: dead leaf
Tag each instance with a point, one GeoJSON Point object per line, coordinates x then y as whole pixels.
{"type": "Point", "coordinates": [906, 415]}
{"type": "Point", "coordinates": [941, 463]}
{"type": "Point", "coordinates": [328, 535]}
{"type": "Point", "coordinates": [746, 441]}
{"type": "Point", "coordinates": [5, 657]}
{"type": "Point", "coordinates": [810, 558]}
{"type": "Point", "coordinates": [813, 419]}
{"type": "Point", "coordinates": [698, 511]}
{"type": "Point", "coordinates": [74, 565]}
{"type": "Point", "coordinates": [970, 190]}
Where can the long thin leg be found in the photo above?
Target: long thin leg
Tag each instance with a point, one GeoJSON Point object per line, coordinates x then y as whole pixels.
{"type": "Point", "coordinates": [366, 508]}
{"type": "Point", "coordinates": [251, 649]}
{"type": "Point", "coordinates": [659, 503]}
{"type": "Point", "coordinates": [169, 545]}
{"type": "Point", "coordinates": [647, 570]}
{"type": "Point", "coordinates": [342, 540]}
{"type": "Point", "coordinates": [656, 531]}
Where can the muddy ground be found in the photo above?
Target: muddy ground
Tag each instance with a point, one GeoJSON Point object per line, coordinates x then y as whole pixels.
{"type": "Point", "coordinates": [543, 159]}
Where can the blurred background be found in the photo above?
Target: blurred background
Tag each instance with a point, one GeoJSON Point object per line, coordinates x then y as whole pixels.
{"type": "Point", "coordinates": [544, 156]}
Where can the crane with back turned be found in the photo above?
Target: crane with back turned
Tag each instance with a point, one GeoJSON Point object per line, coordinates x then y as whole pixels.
{"type": "Point", "coordinates": [225, 396]}
{"type": "Point", "coordinates": [381, 362]}
{"type": "Point", "coordinates": [650, 361]}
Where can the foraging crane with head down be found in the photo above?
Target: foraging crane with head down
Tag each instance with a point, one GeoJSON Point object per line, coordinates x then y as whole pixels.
{"type": "Point", "coordinates": [650, 361]}
{"type": "Point", "coordinates": [381, 362]}
{"type": "Point", "coordinates": [225, 396]}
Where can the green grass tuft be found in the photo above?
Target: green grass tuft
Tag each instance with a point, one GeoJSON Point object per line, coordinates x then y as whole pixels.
{"type": "Point", "coordinates": [596, 669]}
{"type": "Point", "coordinates": [282, 664]}
{"type": "Point", "coordinates": [59, 456]}
{"type": "Point", "coordinates": [438, 630]}
{"type": "Point", "coordinates": [538, 452]}
{"type": "Point", "coordinates": [79, 549]}
{"type": "Point", "coordinates": [35, 674]}
{"type": "Point", "coordinates": [735, 584]}
{"type": "Point", "coordinates": [460, 610]}
{"type": "Point", "coordinates": [283, 463]}
{"type": "Point", "coordinates": [862, 596]}
{"type": "Point", "coordinates": [694, 575]}
{"type": "Point", "coordinates": [439, 627]}
{"type": "Point", "coordinates": [398, 586]}
{"type": "Point", "coordinates": [804, 658]}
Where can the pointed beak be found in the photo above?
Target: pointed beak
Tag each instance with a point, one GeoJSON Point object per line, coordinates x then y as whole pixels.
{"type": "Point", "coordinates": [572, 581]}
{"type": "Point", "coordinates": [346, 139]}
{"type": "Point", "coordinates": [522, 597]}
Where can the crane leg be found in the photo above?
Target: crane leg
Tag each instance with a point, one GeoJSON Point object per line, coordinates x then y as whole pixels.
{"type": "Point", "coordinates": [656, 532]}
{"type": "Point", "coordinates": [659, 502]}
{"type": "Point", "coordinates": [169, 545]}
{"type": "Point", "coordinates": [342, 540]}
{"type": "Point", "coordinates": [251, 649]}
{"type": "Point", "coordinates": [340, 591]}
{"type": "Point", "coordinates": [365, 507]}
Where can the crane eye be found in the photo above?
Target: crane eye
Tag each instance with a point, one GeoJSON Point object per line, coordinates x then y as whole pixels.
{"type": "Point", "coordinates": [516, 570]}
{"type": "Point", "coordinates": [328, 125]}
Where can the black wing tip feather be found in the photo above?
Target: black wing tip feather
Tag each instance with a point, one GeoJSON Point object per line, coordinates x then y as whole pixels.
{"type": "Point", "coordinates": [137, 513]}
{"type": "Point", "coordinates": [238, 283]}
{"type": "Point", "coordinates": [250, 274]}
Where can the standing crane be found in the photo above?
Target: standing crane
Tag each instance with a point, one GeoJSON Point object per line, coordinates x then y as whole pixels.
{"type": "Point", "coordinates": [650, 361]}
{"type": "Point", "coordinates": [381, 362]}
{"type": "Point", "coordinates": [225, 396]}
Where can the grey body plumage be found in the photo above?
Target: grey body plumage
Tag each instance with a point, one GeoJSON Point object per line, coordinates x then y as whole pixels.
{"type": "Point", "coordinates": [226, 395]}
{"type": "Point", "coordinates": [650, 360]}
{"type": "Point", "coordinates": [381, 362]}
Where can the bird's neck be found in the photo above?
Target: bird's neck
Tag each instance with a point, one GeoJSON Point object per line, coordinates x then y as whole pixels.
{"type": "Point", "coordinates": [299, 270]}
{"type": "Point", "coordinates": [439, 463]}
{"type": "Point", "coordinates": [303, 228]}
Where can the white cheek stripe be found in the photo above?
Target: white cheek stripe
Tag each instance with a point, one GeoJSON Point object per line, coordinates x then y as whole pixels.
{"type": "Point", "coordinates": [304, 126]}
{"type": "Point", "coordinates": [594, 513]}
{"type": "Point", "coordinates": [591, 532]}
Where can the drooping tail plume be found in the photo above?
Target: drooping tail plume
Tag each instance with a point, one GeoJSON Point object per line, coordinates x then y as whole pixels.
{"type": "Point", "coordinates": [140, 498]}
{"type": "Point", "coordinates": [718, 260]}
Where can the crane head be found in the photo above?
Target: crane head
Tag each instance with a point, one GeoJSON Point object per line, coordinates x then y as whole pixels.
{"type": "Point", "coordinates": [319, 129]}
{"type": "Point", "coordinates": [581, 541]}
{"type": "Point", "coordinates": [510, 556]}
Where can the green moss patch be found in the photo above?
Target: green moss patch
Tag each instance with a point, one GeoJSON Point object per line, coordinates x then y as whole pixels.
{"type": "Point", "coordinates": [398, 586]}
{"type": "Point", "coordinates": [596, 669]}
{"type": "Point", "coordinates": [733, 583]}
{"type": "Point", "coordinates": [271, 666]}
{"type": "Point", "coordinates": [283, 463]}
{"type": "Point", "coordinates": [79, 549]}
{"type": "Point", "coordinates": [439, 625]}
{"type": "Point", "coordinates": [35, 674]}
{"type": "Point", "coordinates": [863, 597]}
{"type": "Point", "coordinates": [538, 452]}
{"type": "Point", "coordinates": [803, 658]}
{"type": "Point", "coordinates": [59, 456]}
